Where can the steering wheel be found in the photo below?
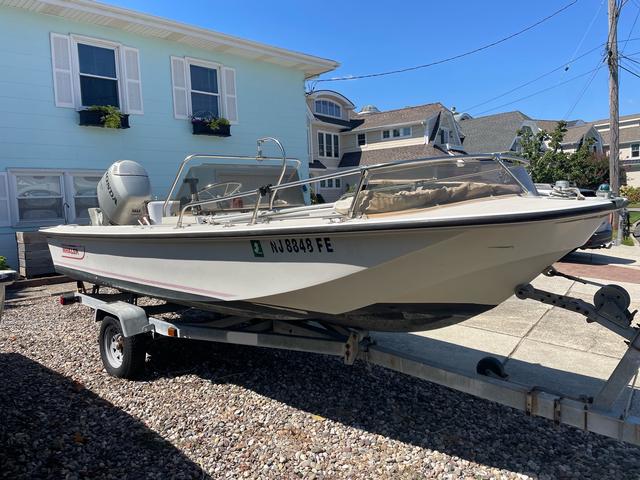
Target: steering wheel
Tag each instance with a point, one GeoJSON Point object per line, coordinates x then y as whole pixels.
{"type": "Point", "coordinates": [229, 189]}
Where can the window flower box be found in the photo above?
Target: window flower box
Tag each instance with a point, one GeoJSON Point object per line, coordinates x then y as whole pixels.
{"type": "Point", "coordinates": [97, 118]}
{"type": "Point", "coordinates": [218, 127]}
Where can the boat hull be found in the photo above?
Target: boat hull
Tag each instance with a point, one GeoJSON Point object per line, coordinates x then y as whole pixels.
{"type": "Point", "coordinates": [387, 279]}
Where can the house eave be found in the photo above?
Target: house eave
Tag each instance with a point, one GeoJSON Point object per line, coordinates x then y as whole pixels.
{"type": "Point", "coordinates": [88, 11]}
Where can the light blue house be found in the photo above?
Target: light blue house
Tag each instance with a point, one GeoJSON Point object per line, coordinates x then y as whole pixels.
{"type": "Point", "coordinates": [59, 56]}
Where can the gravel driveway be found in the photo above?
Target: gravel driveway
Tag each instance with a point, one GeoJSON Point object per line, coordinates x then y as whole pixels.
{"type": "Point", "coordinates": [221, 411]}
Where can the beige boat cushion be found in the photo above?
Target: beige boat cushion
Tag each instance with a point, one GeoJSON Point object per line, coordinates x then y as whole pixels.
{"type": "Point", "coordinates": [372, 201]}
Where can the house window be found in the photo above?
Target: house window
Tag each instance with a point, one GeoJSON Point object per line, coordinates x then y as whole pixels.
{"type": "Point", "coordinates": [54, 197]}
{"type": "Point", "coordinates": [397, 133]}
{"type": "Point", "coordinates": [635, 150]}
{"type": "Point", "coordinates": [444, 136]}
{"type": "Point", "coordinates": [39, 197]}
{"type": "Point", "coordinates": [362, 139]}
{"type": "Point", "coordinates": [85, 195]}
{"type": "Point", "coordinates": [331, 183]}
{"type": "Point", "coordinates": [204, 90]}
{"type": "Point", "coordinates": [98, 75]}
{"type": "Point", "coordinates": [328, 145]}
{"type": "Point", "coordinates": [326, 107]}
{"type": "Point", "coordinates": [91, 71]}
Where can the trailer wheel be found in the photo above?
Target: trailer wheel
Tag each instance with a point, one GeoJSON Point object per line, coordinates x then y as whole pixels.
{"type": "Point", "coordinates": [122, 356]}
{"type": "Point", "coordinates": [491, 367]}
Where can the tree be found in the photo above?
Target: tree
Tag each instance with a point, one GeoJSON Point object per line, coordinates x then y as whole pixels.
{"type": "Point", "coordinates": [584, 167]}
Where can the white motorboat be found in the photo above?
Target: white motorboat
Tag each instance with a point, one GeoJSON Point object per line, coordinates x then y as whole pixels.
{"type": "Point", "coordinates": [417, 244]}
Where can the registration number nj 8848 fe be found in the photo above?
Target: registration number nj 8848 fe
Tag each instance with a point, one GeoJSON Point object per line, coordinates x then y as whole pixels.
{"type": "Point", "coordinates": [301, 245]}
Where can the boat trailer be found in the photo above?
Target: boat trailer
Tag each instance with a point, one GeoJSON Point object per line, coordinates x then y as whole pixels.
{"type": "Point", "coordinates": [126, 327]}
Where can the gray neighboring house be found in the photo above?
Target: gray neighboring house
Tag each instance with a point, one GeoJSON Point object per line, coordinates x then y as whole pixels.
{"type": "Point", "coordinates": [498, 133]}
{"type": "Point", "coordinates": [341, 138]}
{"type": "Point", "coordinates": [493, 133]}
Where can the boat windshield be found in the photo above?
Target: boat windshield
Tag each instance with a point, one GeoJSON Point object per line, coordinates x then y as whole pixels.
{"type": "Point", "coordinates": [440, 182]}
{"type": "Point", "coordinates": [209, 181]}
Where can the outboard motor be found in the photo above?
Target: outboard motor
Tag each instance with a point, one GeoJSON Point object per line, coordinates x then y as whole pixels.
{"type": "Point", "coordinates": [123, 191]}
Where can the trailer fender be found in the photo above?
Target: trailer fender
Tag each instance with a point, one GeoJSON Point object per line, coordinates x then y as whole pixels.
{"type": "Point", "coordinates": [133, 319]}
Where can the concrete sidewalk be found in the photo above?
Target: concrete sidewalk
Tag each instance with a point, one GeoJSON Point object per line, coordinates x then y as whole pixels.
{"type": "Point", "coordinates": [541, 345]}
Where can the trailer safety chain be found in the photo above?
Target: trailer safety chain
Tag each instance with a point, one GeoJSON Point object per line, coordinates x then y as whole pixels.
{"type": "Point", "coordinates": [552, 272]}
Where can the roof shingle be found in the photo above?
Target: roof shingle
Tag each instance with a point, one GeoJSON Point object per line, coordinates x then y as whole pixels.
{"type": "Point", "coordinates": [493, 133]}
{"type": "Point", "coordinates": [395, 117]}
{"type": "Point", "coordinates": [386, 155]}
{"type": "Point", "coordinates": [627, 135]}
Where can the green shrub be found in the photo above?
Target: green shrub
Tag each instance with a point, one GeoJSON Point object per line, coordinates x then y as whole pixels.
{"type": "Point", "coordinates": [111, 116]}
{"type": "Point", "coordinates": [3, 264]}
{"type": "Point", "coordinates": [548, 164]}
{"type": "Point", "coordinates": [631, 193]}
{"type": "Point", "coordinates": [216, 123]}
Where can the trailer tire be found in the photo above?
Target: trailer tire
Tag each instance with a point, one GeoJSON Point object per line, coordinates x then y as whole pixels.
{"type": "Point", "coordinates": [122, 357]}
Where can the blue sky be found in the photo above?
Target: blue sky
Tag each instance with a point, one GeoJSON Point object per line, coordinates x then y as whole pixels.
{"type": "Point", "coordinates": [372, 36]}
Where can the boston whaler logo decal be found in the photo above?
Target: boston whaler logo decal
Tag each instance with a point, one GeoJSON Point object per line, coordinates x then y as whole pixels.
{"type": "Point", "coordinates": [75, 252]}
{"type": "Point", "coordinates": [256, 247]}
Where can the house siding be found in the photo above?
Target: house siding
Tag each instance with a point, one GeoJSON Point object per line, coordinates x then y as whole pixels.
{"type": "Point", "coordinates": [34, 133]}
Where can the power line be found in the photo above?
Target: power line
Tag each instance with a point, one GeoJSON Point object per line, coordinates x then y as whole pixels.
{"type": "Point", "coordinates": [631, 66]}
{"type": "Point", "coordinates": [455, 57]}
{"type": "Point", "coordinates": [631, 31]}
{"type": "Point", "coordinates": [539, 91]}
{"type": "Point", "coordinates": [584, 35]}
{"type": "Point", "coordinates": [627, 70]}
{"type": "Point", "coordinates": [584, 89]}
{"type": "Point", "coordinates": [630, 59]}
{"type": "Point", "coordinates": [561, 67]}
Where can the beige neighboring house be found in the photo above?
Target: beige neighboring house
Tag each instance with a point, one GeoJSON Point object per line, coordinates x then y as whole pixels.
{"type": "Point", "coordinates": [341, 138]}
{"type": "Point", "coordinates": [629, 135]}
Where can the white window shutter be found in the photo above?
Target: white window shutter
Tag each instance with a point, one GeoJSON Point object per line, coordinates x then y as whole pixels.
{"type": "Point", "coordinates": [132, 80]}
{"type": "Point", "coordinates": [62, 71]}
{"type": "Point", "coordinates": [230, 95]}
{"type": "Point", "coordinates": [179, 83]}
{"type": "Point", "coordinates": [5, 213]}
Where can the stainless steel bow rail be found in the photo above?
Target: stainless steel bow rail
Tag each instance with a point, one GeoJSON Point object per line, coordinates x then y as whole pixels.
{"type": "Point", "coordinates": [127, 324]}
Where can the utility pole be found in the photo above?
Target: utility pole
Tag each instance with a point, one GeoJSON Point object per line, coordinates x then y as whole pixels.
{"type": "Point", "coordinates": [614, 131]}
